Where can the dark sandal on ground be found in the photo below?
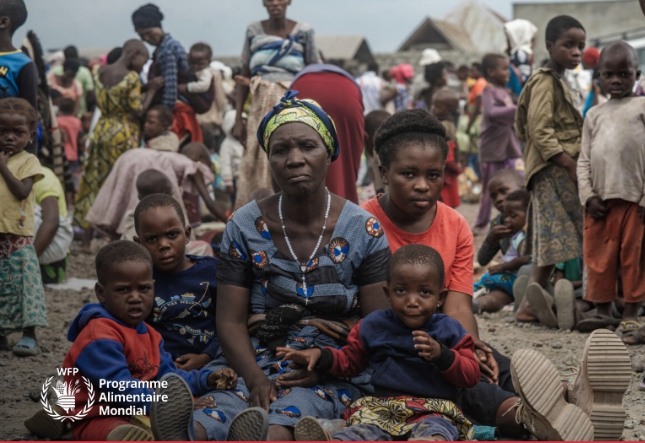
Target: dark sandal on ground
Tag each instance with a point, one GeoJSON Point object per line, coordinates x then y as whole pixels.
{"type": "Point", "coordinates": [598, 321]}
{"type": "Point", "coordinates": [26, 347]}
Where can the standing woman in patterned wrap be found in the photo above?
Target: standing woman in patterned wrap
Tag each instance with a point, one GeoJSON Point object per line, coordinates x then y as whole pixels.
{"type": "Point", "coordinates": [274, 51]}
{"type": "Point", "coordinates": [118, 96]}
{"type": "Point", "coordinates": [297, 269]}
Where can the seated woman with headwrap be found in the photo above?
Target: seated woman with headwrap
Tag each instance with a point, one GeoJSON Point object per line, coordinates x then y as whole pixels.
{"type": "Point", "coordinates": [297, 269]}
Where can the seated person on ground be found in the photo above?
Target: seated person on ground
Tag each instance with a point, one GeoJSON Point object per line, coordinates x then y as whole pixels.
{"type": "Point", "coordinates": [500, 278]}
{"type": "Point", "coordinates": [501, 184]}
{"type": "Point", "coordinates": [151, 182]}
{"type": "Point", "coordinates": [111, 341]}
{"type": "Point", "coordinates": [420, 358]}
{"type": "Point", "coordinates": [183, 309]}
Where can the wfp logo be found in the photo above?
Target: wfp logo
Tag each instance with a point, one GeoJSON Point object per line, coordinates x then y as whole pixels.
{"type": "Point", "coordinates": [65, 392]}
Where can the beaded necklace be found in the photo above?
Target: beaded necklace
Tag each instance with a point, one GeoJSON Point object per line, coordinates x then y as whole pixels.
{"type": "Point", "coordinates": [303, 267]}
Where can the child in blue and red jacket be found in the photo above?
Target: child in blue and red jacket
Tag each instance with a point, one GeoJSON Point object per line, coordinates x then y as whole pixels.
{"type": "Point", "coordinates": [183, 309]}
{"type": "Point", "coordinates": [420, 359]}
{"type": "Point", "coordinates": [111, 343]}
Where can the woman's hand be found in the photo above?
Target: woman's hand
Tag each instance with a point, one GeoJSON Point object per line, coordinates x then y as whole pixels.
{"type": "Point", "coordinates": [156, 84]}
{"type": "Point", "coordinates": [242, 81]}
{"type": "Point", "coordinates": [303, 363]}
{"type": "Point", "coordinates": [263, 392]}
{"type": "Point", "coordinates": [307, 358]}
{"type": "Point", "coordinates": [487, 363]}
{"type": "Point", "coordinates": [188, 362]}
{"type": "Point", "coordinates": [299, 377]}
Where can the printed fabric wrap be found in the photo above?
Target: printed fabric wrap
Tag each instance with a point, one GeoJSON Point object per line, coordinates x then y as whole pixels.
{"type": "Point", "coordinates": [398, 415]}
{"type": "Point", "coordinates": [293, 110]}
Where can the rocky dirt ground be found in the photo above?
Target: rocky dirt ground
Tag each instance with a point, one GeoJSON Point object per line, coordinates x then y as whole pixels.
{"type": "Point", "coordinates": [22, 378]}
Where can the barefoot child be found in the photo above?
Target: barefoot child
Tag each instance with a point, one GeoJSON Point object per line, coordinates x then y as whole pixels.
{"type": "Point", "coordinates": [551, 125]}
{"type": "Point", "coordinates": [156, 130]}
{"type": "Point", "coordinates": [500, 278]}
{"type": "Point", "coordinates": [183, 309]}
{"type": "Point", "coordinates": [611, 181]}
{"type": "Point", "coordinates": [499, 147]}
{"type": "Point", "coordinates": [420, 358]}
{"type": "Point", "coordinates": [22, 307]}
{"type": "Point", "coordinates": [112, 342]}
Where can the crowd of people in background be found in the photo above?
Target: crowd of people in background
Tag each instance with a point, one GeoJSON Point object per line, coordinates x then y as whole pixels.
{"type": "Point", "coordinates": [212, 184]}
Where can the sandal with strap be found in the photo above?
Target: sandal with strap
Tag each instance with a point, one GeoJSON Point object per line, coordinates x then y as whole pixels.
{"type": "Point", "coordinates": [598, 321]}
{"type": "Point", "coordinates": [26, 347]}
{"type": "Point", "coordinates": [627, 327]}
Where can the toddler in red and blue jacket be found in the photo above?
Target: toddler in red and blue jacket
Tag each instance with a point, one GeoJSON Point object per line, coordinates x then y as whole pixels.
{"type": "Point", "coordinates": [419, 358]}
{"type": "Point", "coordinates": [116, 350]}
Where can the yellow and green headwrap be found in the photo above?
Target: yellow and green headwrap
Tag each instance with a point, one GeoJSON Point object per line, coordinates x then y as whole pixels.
{"type": "Point", "coordinates": [292, 110]}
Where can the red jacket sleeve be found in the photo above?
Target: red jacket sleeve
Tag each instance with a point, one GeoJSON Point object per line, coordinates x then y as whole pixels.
{"type": "Point", "coordinates": [351, 359]}
{"type": "Point", "coordinates": [464, 371]}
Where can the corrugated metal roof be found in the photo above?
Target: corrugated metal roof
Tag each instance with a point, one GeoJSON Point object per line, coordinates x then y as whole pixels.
{"type": "Point", "coordinates": [484, 26]}
{"type": "Point", "coordinates": [456, 35]}
{"type": "Point", "coordinates": [339, 47]}
{"type": "Point", "coordinates": [471, 27]}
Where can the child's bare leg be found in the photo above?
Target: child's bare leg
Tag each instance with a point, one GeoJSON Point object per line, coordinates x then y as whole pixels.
{"type": "Point", "coordinates": [86, 242]}
{"type": "Point", "coordinates": [583, 306]}
{"type": "Point", "coordinates": [604, 309]}
{"type": "Point", "coordinates": [539, 275]}
{"type": "Point", "coordinates": [494, 301]}
{"type": "Point", "coordinates": [630, 312]}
